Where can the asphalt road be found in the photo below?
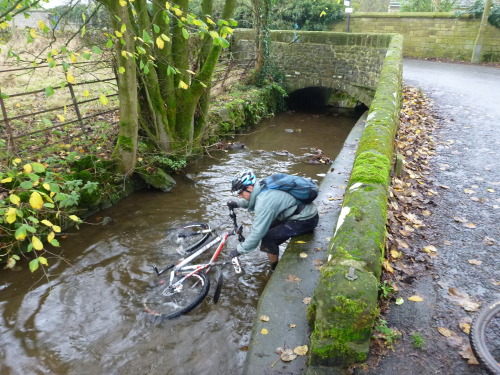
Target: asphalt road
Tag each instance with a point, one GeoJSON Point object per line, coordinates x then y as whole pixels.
{"type": "Point", "coordinates": [466, 175]}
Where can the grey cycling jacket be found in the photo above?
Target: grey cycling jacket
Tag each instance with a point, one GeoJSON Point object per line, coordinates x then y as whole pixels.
{"type": "Point", "coordinates": [270, 205]}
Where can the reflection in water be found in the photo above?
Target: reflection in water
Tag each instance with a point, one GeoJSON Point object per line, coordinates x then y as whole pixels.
{"type": "Point", "coordinates": [88, 318]}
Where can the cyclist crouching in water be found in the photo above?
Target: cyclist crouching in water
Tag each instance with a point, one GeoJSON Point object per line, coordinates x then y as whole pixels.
{"type": "Point", "coordinates": [278, 216]}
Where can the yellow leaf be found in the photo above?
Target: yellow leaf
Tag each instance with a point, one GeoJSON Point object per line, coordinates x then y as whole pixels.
{"type": "Point", "coordinates": [470, 225]}
{"type": "Point", "coordinates": [41, 24]}
{"type": "Point", "coordinates": [264, 331]}
{"type": "Point", "coordinates": [387, 266]}
{"type": "Point", "coordinates": [14, 199]}
{"type": "Point", "coordinates": [465, 328]}
{"type": "Point", "coordinates": [5, 180]}
{"type": "Point", "coordinates": [300, 242]}
{"type": "Point", "coordinates": [301, 350]}
{"type": "Point", "coordinates": [177, 12]}
{"type": "Point", "coordinates": [119, 35]}
{"type": "Point", "coordinates": [123, 3]}
{"type": "Point", "coordinates": [445, 332]}
{"type": "Point", "coordinates": [46, 186]}
{"type": "Point", "coordinates": [430, 249]}
{"type": "Point", "coordinates": [56, 228]}
{"type": "Point", "coordinates": [11, 215]}
{"type": "Point", "coordinates": [323, 13]}
{"type": "Point", "coordinates": [70, 78]}
{"type": "Point", "coordinates": [61, 118]}
{"type": "Point", "coordinates": [86, 93]}
{"type": "Point", "coordinates": [43, 261]}
{"type": "Point", "coordinates": [27, 168]}
{"type": "Point", "coordinates": [74, 217]}
{"type": "Point", "coordinates": [303, 255]}
{"type": "Point", "coordinates": [3, 26]}
{"type": "Point", "coordinates": [264, 318]}
{"type": "Point", "coordinates": [395, 254]}
{"type": "Point", "coordinates": [47, 223]}
{"type": "Point", "coordinates": [16, 161]}
{"type": "Point", "coordinates": [415, 298]}
{"type": "Point", "coordinates": [33, 33]}
{"type": "Point", "coordinates": [103, 99]}
{"type": "Point", "coordinates": [36, 200]}
{"type": "Point", "coordinates": [160, 43]}
{"type": "Point", "coordinates": [37, 244]}
{"type": "Point", "coordinates": [183, 85]}
{"type": "Point", "coordinates": [73, 58]}
{"type": "Point", "coordinates": [51, 236]}
{"type": "Point", "coordinates": [167, 5]}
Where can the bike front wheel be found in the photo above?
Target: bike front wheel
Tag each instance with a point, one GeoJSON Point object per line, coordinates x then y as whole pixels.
{"type": "Point", "coordinates": [167, 302]}
{"type": "Point", "coordinates": [484, 337]}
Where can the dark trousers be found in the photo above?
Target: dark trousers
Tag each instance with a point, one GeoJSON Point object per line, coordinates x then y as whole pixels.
{"type": "Point", "coordinates": [281, 232]}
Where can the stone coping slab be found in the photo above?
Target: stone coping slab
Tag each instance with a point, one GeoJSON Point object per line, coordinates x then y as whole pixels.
{"type": "Point", "coordinates": [284, 300]}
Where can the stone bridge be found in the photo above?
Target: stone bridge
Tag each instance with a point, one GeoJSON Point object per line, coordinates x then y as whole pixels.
{"type": "Point", "coordinates": [349, 63]}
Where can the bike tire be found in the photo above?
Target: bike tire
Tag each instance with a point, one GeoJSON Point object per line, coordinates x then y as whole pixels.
{"type": "Point", "coordinates": [168, 304]}
{"type": "Point", "coordinates": [481, 336]}
{"type": "Point", "coordinates": [190, 237]}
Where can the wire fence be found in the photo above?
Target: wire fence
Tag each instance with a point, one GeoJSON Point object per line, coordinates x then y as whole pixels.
{"type": "Point", "coordinates": [47, 108]}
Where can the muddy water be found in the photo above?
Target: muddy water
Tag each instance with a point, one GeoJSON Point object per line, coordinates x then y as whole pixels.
{"type": "Point", "coordinates": [85, 315]}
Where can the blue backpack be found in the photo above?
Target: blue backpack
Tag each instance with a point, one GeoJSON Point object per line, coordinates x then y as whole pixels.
{"type": "Point", "coordinates": [303, 189]}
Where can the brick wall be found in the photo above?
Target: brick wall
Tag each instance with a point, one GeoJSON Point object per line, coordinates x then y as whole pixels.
{"type": "Point", "coordinates": [431, 35]}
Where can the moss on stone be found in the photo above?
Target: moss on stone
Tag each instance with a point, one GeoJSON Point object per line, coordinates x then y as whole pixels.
{"type": "Point", "coordinates": [371, 168]}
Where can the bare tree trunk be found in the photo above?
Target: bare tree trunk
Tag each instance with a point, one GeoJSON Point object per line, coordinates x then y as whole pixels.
{"type": "Point", "coordinates": [478, 45]}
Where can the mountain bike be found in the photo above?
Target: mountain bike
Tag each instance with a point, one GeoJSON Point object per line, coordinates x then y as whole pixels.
{"type": "Point", "coordinates": [188, 284]}
{"type": "Point", "coordinates": [485, 337]}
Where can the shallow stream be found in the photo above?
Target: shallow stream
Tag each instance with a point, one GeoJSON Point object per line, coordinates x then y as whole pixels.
{"type": "Point", "coordinates": [84, 316]}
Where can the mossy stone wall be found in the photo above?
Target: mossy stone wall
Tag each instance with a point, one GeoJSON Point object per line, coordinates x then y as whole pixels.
{"type": "Point", "coordinates": [430, 35]}
{"type": "Point", "coordinates": [344, 305]}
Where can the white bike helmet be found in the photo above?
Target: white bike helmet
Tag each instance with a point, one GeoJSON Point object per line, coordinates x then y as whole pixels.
{"type": "Point", "coordinates": [242, 180]}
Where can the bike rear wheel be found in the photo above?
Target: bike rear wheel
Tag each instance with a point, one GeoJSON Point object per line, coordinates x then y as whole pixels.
{"type": "Point", "coordinates": [166, 302]}
{"type": "Point", "coordinates": [484, 337]}
{"type": "Point", "coordinates": [191, 236]}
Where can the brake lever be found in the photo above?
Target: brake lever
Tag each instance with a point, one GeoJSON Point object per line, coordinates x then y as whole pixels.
{"type": "Point", "coordinates": [236, 264]}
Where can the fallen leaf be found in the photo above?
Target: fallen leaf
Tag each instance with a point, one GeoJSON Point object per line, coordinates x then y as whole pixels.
{"type": "Point", "coordinates": [467, 353]}
{"type": "Point", "coordinates": [291, 325]}
{"type": "Point", "coordinates": [399, 301]}
{"type": "Point", "coordinates": [446, 242]}
{"type": "Point", "coordinates": [303, 255]}
{"type": "Point", "coordinates": [387, 266]}
{"type": "Point", "coordinates": [465, 327]}
{"type": "Point", "coordinates": [475, 262]}
{"type": "Point", "coordinates": [430, 249]}
{"type": "Point", "coordinates": [264, 331]}
{"type": "Point", "coordinates": [301, 350]}
{"type": "Point", "coordinates": [426, 213]}
{"type": "Point", "coordinates": [415, 298]}
{"type": "Point", "coordinates": [469, 191]}
{"type": "Point", "coordinates": [264, 318]}
{"type": "Point", "coordinates": [300, 242]}
{"type": "Point", "coordinates": [445, 332]}
{"type": "Point", "coordinates": [490, 190]}
{"type": "Point", "coordinates": [288, 355]}
{"type": "Point", "coordinates": [293, 279]}
{"type": "Point", "coordinates": [307, 300]}
{"type": "Point", "coordinates": [488, 241]}
{"type": "Point", "coordinates": [396, 254]}
{"type": "Point", "coordinates": [459, 219]}
{"type": "Point", "coordinates": [470, 225]}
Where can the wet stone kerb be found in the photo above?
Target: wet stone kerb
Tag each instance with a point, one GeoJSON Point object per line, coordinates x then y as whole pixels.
{"type": "Point", "coordinates": [344, 305]}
